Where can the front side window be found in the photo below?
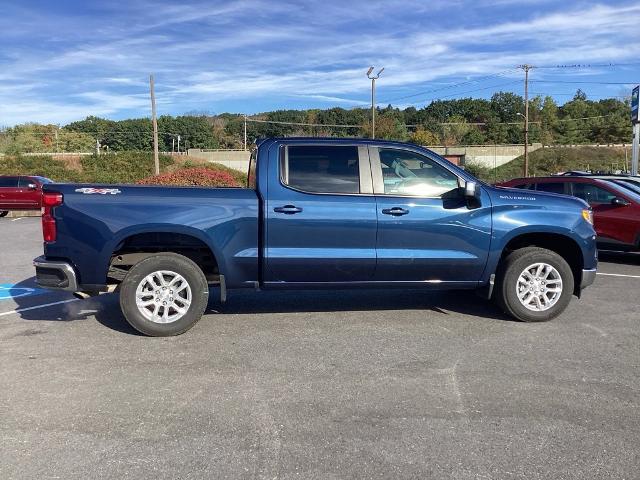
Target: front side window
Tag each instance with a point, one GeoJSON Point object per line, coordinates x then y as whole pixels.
{"type": "Point", "coordinates": [10, 182]}
{"type": "Point", "coordinates": [592, 193]}
{"type": "Point", "coordinates": [408, 173]}
{"type": "Point", "coordinates": [321, 169]}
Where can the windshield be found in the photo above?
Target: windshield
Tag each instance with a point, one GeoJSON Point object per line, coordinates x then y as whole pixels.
{"type": "Point", "coordinates": [634, 187]}
{"type": "Point", "coordinates": [624, 190]}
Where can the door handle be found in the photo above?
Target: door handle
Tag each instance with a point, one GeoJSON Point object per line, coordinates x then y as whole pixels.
{"type": "Point", "coordinates": [395, 211]}
{"type": "Point", "coordinates": [288, 209]}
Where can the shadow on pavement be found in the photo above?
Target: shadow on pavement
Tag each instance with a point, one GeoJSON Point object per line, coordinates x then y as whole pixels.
{"type": "Point", "coordinates": [626, 258]}
{"type": "Point", "coordinates": [106, 309]}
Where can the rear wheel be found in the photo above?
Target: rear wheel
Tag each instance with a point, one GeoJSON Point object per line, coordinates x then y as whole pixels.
{"type": "Point", "coordinates": [534, 284]}
{"type": "Point", "coordinates": [164, 295]}
{"type": "Point", "coordinates": [3, 213]}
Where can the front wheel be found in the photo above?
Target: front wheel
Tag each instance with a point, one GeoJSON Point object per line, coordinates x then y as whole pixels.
{"type": "Point", "coordinates": [164, 295]}
{"type": "Point", "coordinates": [534, 284]}
{"type": "Point", "coordinates": [3, 213]}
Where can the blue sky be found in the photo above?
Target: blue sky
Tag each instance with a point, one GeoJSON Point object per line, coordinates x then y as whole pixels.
{"type": "Point", "coordinates": [61, 61]}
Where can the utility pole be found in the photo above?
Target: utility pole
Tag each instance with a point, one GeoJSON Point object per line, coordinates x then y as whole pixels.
{"type": "Point", "coordinates": [526, 67]}
{"type": "Point", "coordinates": [173, 144]}
{"type": "Point", "coordinates": [373, 79]}
{"type": "Point", "coordinates": [156, 159]}
{"type": "Point", "coordinates": [245, 133]}
{"type": "Point", "coordinates": [178, 144]}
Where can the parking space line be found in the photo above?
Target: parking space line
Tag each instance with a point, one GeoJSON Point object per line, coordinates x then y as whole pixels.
{"type": "Point", "coordinates": [39, 306]}
{"type": "Point", "coordinates": [618, 275]}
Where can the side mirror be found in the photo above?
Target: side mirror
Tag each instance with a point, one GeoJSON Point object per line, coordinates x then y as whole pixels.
{"type": "Point", "coordinates": [619, 202]}
{"type": "Point", "coordinates": [471, 190]}
{"type": "Point", "coordinates": [32, 186]}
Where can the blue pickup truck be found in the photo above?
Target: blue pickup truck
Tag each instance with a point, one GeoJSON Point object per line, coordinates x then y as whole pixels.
{"type": "Point", "coordinates": [317, 213]}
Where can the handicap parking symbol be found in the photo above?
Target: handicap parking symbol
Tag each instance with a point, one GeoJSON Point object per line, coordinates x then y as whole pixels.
{"type": "Point", "coordinates": [9, 291]}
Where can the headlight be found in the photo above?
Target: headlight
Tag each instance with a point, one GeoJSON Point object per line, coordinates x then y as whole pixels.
{"type": "Point", "coordinates": [588, 215]}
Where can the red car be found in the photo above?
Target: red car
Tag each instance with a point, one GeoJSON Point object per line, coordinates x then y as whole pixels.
{"type": "Point", "coordinates": [21, 193]}
{"type": "Point", "coordinates": [616, 208]}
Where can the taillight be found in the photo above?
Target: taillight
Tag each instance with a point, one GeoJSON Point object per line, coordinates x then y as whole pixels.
{"type": "Point", "coordinates": [49, 200]}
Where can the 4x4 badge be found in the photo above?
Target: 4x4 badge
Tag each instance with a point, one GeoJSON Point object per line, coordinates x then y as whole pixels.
{"type": "Point", "coordinates": [101, 191]}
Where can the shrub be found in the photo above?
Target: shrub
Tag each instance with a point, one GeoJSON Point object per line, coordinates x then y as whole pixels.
{"type": "Point", "coordinates": [200, 176]}
{"type": "Point", "coordinates": [121, 167]}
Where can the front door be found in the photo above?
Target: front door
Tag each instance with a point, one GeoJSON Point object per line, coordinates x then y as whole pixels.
{"type": "Point", "coordinates": [610, 221]}
{"type": "Point", "coordinates": [30, 193]}
{"type": "Point", "coordinates": [320, 215]}
{"type": "Point", "coordinates": [426, 230]}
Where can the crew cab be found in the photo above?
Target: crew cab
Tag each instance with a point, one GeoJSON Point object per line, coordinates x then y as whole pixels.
{"type": "Point", "coordinates": [317, 213]}
{"type": "Point", "coordinates": [615, 204]}
{"type": "Point", "coordinates": [21, 193]}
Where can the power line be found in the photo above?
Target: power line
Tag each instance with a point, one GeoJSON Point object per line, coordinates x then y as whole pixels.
{"type": "Point", "coordinates": [302, 124]}
{"type": "Point", "coordinates": [583, 82]}
{"type": "Point", "coordinates": [465, 92]}
{"type": "Point", "coordinates": [446, 87]}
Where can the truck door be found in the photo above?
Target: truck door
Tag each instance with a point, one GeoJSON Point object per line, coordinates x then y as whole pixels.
{"type": "Point", "coordinates": [30, 193]}
{"type": "Point", "coordinates": [320, 215]}
{"type": "Point", "coordinates": [426, 231]}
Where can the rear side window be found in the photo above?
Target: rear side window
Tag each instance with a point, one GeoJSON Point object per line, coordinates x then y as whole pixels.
{"type": "Point", "coordinates": [321, 169]}
{"type": "Point", "coordinates": [9, 182]}
{"type": "Point", "coordinates": [552, 187]}
{"type": "Point", "coordinates": [592, 193]}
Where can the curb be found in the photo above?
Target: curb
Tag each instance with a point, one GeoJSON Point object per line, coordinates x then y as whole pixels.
{"type": "Point", "coordinates": [23, 213]}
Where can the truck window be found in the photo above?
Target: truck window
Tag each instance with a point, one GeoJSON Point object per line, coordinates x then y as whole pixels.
{"type": "Point", "coordinates": [321, 169]}
{"type": "Point", "coordinates": [592, 194]}
{"type": "Point", "coordinates": [10, 182]}
{"type": "Point", "coordinates": [553, 187]}
{"type": "Point", "coordinates": [408, 173]}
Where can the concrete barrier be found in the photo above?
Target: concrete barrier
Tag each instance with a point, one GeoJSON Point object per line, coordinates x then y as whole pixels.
{"type": "Point", "coordinates": [486, 155]}
{"type": "Point", "coordinates": [236, 159]}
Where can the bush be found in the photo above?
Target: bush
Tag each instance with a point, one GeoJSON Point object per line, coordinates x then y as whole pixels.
{"type": "Point", "coordinates": [44, 166]}
{"type": "Point", "coordinates": [200, 176]}
{"type": "Point", "coordinates": [123, 167]}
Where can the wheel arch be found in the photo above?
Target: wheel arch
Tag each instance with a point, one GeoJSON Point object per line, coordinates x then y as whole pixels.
{"type": "Point", "coordinates": [152, 239]}
{"type": "Point", "coordinates": [558, 242]}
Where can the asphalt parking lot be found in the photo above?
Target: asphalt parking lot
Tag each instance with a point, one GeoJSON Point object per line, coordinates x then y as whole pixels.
{"type": "Point", "coordinates": [318, 384]}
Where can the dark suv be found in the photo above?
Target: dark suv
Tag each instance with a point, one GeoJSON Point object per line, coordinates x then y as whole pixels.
{"type": "Point", "coordinates": [616, 207]}
{"type": "Point", "coordinates": [19, 192]}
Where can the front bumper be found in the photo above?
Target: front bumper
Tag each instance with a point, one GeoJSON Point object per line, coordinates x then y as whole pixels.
{"type": "Point", "coordinates": [588, 277]}
{"type": "Point", "coordinates": [55, 275]}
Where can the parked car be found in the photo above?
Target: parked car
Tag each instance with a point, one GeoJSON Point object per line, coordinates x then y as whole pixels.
{"type": "Point", "coordinates": [317, 213]}
{"type": "Point", "coordinates": [21, 193]}
{"type": "Point", "coordinates": [624, 180]}
{"type": "Point", "coordinates": [616, 207]}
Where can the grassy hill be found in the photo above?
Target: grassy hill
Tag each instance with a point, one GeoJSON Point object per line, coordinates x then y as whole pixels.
{"type": "Point", "coordinates": [125, 167]}
{"type": "Point", "coordinates": [549, 161]}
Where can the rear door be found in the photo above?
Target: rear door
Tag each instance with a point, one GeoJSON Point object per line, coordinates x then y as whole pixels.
{"type": "Point", "coordinates": [320, 215]}
{"type": "Point", "coordinates": [426, 231]}
{"type": "Point", "coordinates": [9, 193]}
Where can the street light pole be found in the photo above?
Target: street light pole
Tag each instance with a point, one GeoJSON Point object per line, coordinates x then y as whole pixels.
{"type": "Point", "coordinates": [373, 79]}
{"type": "Point", "coordinates": [526, 68]}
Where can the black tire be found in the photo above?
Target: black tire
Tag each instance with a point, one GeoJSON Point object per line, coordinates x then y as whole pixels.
{"type": "Point", "coordinates": [3, 213]}
{"type": "Point", "coordinates": [172, 262]}
{"type": "Point", "coordinates": [506, 294]}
